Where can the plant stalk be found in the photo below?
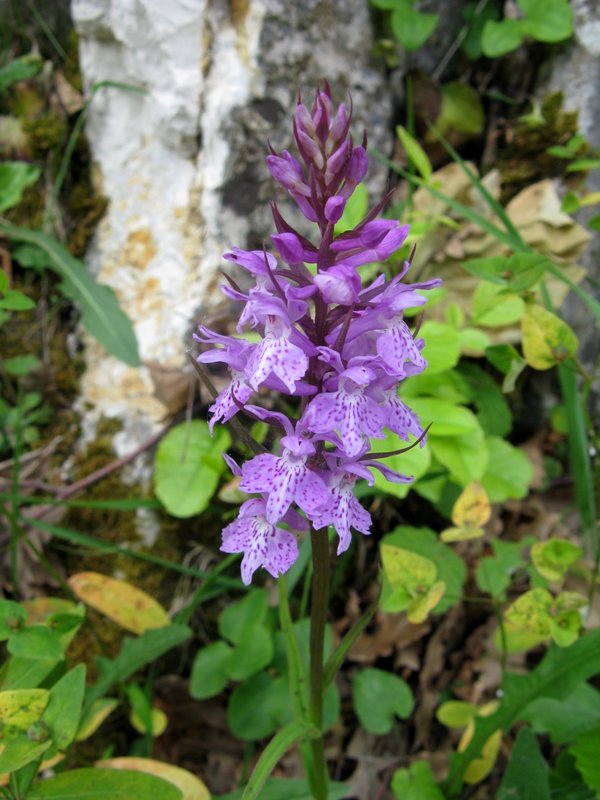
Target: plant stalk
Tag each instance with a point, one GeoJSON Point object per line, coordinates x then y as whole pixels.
{"type": "Point", "coordinates": [320, 602]}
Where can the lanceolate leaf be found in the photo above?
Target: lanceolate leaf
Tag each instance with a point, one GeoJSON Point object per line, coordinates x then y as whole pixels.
{"type": "Point", "coordinates": [104, 784]}
{"type": "Point", "coordinates": [558, 674]}
{"type": "Point", "coordinates": [101, 314]}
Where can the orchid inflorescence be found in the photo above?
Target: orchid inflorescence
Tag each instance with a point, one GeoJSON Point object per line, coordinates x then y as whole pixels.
{"type": "Point", "coordinates": [339, 347]}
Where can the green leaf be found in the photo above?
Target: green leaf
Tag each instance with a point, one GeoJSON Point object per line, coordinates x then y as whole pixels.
{"type": "Point", "coordinates": [493, 307]}
{"type": "Point", "coordinates": [448, 420]}
{"type": "Point", "coordinates": [252, 653]}
{"type": "Point", "coordinates": [586, 750]}
{"type": "Point", "coordinates": [274, 751]}
{"type": "Point", "coordinates": [188, 466]}
{"type": "Point", "coordinates": [35, 641]}
{"type": "Point", "coordinates": [378, 697]}
{"type": "Point", "coordinates": [547, 20]}
{"type": "Point", "coordinates": [104, 784]}
{"type": "Point", "coordinates": [527, 774]}
{"type": "Point", "coordinates": [461, 109]}
{"type": "Point", "coordinates": [456, 713]}
{"type": "Point", "coordinates": [256, 706]}
{"type": "Point", "coordinates": [566, 782]}
{"type": "Point", "coordinates": [15, 177]}
{"type": "Point", "coordinates": [20, 709]}
{"type": "Point", "coordinates": [475, 17]}
{"type": "Point", "coordinates": [63, 711]}
{"type": "Point", "coordinates": [102, 316]}
{"type": "Point", "coordinates": [19, 752]}
{"type": "Point", "coordinates": [493, 410]}
{"type": "Point", "coordinates": [21, 365]}
{"type": "Point", "coordinates": [553, 557]}
{"type": "Point", "coordinates": [410, 27]}
{"type": "Point", "coordinates": [25, 673]}
{"type": "Point", "coordinates": [416, 783]}
{"type": "Point", "coordinates": [355, 209]}
{"type": "Point", "coordinates": [450, 567]}
{"type": "Point", "coordinates": [547, 340]}
{"type": "Point", "coordinates": [414, 151]}
{"type": "Point", "coordinates": [499, 38]}
{"type": "Point", "coordinates": [20, 69]}
{"type": "Point", "coordinates": [12, 616]}
{"type": "Point", "coordinates": [413, 463]}
{"type": "Point", "coordinates": [565, 720]}
{"type": "Point", "coordinates": [209, 670]}
{"type": "Point", "coordinates": [134, 654]}
{"type": "Point", "coordinates": [442, 346]}
{"type": "Point", "coordinates": [557, 675]}
{"type": "Point", "coordinates": [250, 611]}
{"type": "Point", "coordinates": [491, 577]}
{"type": "Point", "coordinates": [508, 473]}
{"type": "Point", "coordinates": [13, 300]}
{"type": "Point", "coordinates": [464, 456]}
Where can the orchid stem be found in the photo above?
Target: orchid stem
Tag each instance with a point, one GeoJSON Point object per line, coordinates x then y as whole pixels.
{"type": "Point", "coordinates": [320, 602]}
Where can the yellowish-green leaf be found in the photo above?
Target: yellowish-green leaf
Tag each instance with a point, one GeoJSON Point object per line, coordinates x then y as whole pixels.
{"type": "Point", "coordinates": [472, 509]}
{"type": "Point", "coordinates": [461, 534]}
{"type": "Point", "coordinates": [531, 612]}
{"type": "Point", "coordinates": [128, 606]}
{"type": "Point", "coordinates": [408, 570]}
{"type": "Point", "coordinates": [189, 785]}
{"type": "Point", "coordinates": [40, 608]}
{"type": "Point", "coordinates": [553, 557]}
{"type": "Point", "coordinates": [419, 609]}
{"type": "Point", "coordinates": [159, 722]}
{"type": "Point", "coordinates": [20, 709]}
{"type": "Point", "coordinates": [415, 152]}
{"type": "Point", "coordinates": [565, 628]}
{"type": "Point", "coordinates": [493, 306]}
{"type": "Point", "coordinates": [481, 767]}
{"type": "Point", "coordinates": [547, 340]}
{"type": "Point", "coordinates": [456, 713]}
{"type": "Point", "coordinates": [99, 711]}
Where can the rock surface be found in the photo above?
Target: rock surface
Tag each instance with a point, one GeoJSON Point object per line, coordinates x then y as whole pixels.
{"type": "Point", "coordinates": [180, 155]}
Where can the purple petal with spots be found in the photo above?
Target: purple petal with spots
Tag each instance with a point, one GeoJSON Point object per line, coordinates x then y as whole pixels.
{"type": "Point", "coordinates": [396, 346]}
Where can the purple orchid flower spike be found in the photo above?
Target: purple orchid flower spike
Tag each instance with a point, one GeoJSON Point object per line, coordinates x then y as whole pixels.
{"type": "Point", "coordinates": [340, 347]}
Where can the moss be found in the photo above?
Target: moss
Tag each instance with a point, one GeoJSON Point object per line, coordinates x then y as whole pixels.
{"type": "Point", "coordinates": [522, 156]}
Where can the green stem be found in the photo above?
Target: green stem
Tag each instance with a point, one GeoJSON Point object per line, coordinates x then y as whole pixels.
{"type": "Point", "coordinates": [320, 601]}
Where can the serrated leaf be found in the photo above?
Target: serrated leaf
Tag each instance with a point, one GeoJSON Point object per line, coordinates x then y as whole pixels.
{"type": "Point", "coordinates": [190, 786]}
{"type": "Point", "coordinates": [378, 697]}
{"type": "Point", "coordinates": [527, 774]}
{"type": "Point", "coordinates": [128, 606]}
{"type": "Point", "coordinates": [557, 675]}
{"type": "Point", "coordinates": [586, 751]}
{"type": "Point", "coordinates": [547, 340]}
{"type": "Point", "coordinates": [101, 314]}
{"type": "Point", "coordinates": [188, 466]}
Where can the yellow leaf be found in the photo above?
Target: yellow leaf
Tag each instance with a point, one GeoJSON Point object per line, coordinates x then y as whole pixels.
{"type": "Point", "coordinates": [472, 509]}
{"type": "Point", "coordinates": [461, 534]}
{"type": "Point", "coordinates": [420, 608]}
{"type": "Point", "coordinates": [99, 711]}
{"type": "Point", "coordinates": [456, 713]}
{"type": "Point", "coordinates": [19, 709]}
{"type": "Point", "coordinates": [481, 767]}
{"type": "Point", "coordinates": [547, 340]}
{"type": "Point", "coordinates": [159, 722]}
{"type": "Point", "coordinates": [128, 606]}
{"type": "Point", "coordinates": [408, 570]}
{"type": "Point", "coordinates": [191, 787]}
